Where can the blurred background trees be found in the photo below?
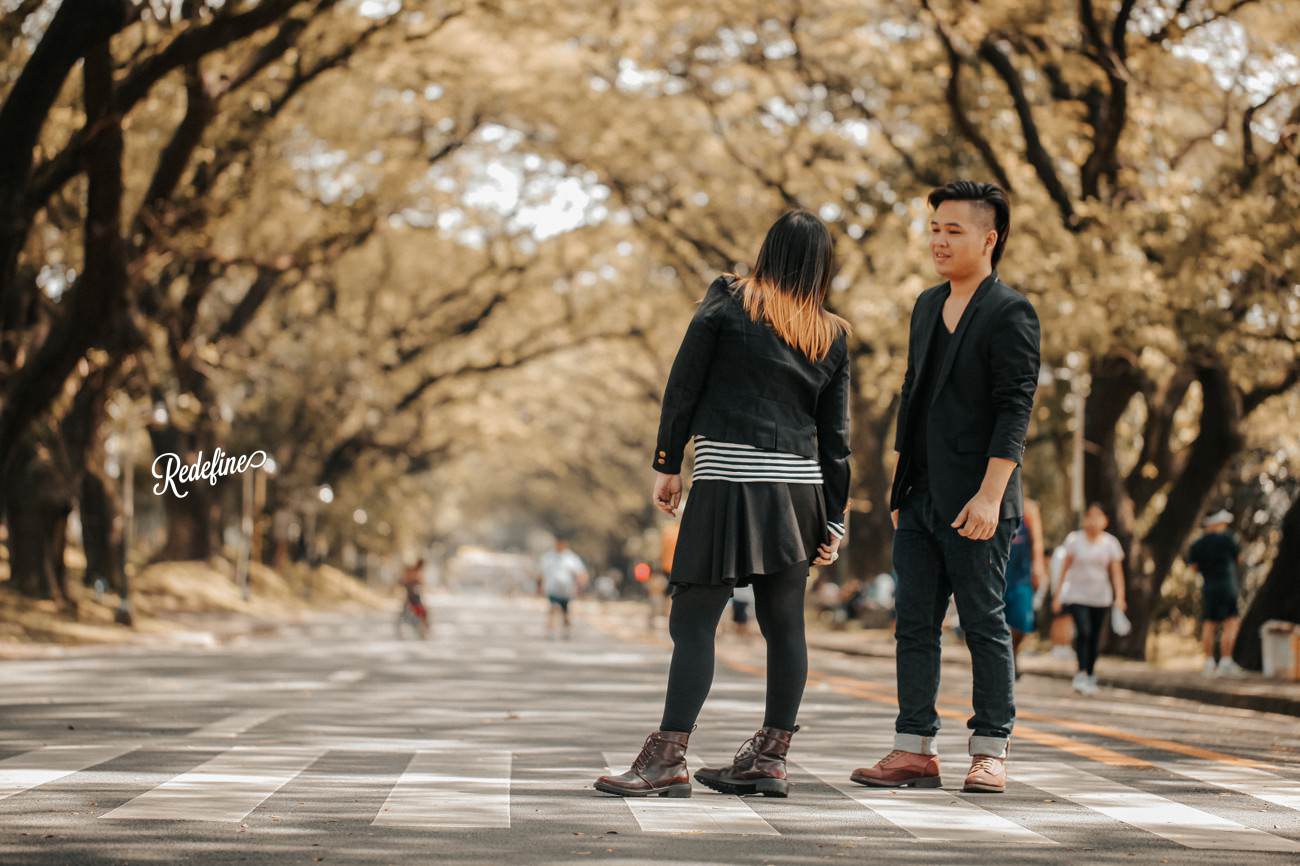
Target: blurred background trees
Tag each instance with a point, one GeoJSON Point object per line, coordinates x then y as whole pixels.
{"type": "Point", "coordinates": [435, 257]}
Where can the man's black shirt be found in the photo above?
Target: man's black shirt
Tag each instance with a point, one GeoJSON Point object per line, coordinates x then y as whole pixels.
{"type": "Point", "coordinates": [924, 394]}
{"type": "Point", "coordinates": [1215, 556]}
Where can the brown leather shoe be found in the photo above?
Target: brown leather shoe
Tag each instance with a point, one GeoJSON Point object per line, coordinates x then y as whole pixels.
{"type": "Point", "coordinates": [659, 770]}
{"type": "Point", "coordinates": [758, 768]}
{"type": "Point", "coordinates": [987, 775]}
{"type": "Point", "coordinates": [900, 769]}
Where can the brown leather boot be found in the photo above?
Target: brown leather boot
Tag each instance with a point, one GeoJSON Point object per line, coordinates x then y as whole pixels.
{"type": "Point", "coordinates": [758, 768]}
{"type": "Point", "coordinates": [900, 769]}
{"type": "Point", "coordinates": [660, 769]}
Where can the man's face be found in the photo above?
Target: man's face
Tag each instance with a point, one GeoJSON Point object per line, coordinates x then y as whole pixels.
{"type": "Point", "coordinates": [961, 238]}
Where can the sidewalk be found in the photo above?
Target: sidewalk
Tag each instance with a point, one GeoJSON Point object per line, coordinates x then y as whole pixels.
{"type": "Point", "coordinates": [1249, 691]}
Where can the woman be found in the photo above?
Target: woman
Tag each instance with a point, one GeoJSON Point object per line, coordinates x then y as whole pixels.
{"type": "Point", "coordinates": [1093, 581]}
{"type": "Point", "coordinates": [761, 382]}
{"type": "Point", "coordinates": [1025, 568]}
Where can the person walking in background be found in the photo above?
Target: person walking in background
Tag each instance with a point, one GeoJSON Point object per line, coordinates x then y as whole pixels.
{"type": "Point", "coordinates": [972, 371]}
{"type": "Point", "coordinates": [563, 575]}
{"type": "Point", "coordinates": [1214, 555]}
{"type": "Point", "coordinates": [761, 386]}
{"type": "Point", "coordinates": [1092, 582]}
{"type": "Point", "coordinates": [1025, 570]}
{"type": "Point", "coordinates": [1061, 627]}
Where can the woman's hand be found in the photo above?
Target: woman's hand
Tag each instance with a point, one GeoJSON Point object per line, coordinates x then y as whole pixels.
{"type": "Point", "coordinates": [668, 493]}
{"type": "Point", "coordinates": [1057, 607]}
{"type": "Point", "coordinates": [828, 551]}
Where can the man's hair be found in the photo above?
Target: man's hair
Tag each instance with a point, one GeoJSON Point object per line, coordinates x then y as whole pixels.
{"type": "Point", "coordinates": [988, 197]}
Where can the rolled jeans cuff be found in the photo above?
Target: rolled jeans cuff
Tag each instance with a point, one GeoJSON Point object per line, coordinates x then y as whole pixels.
{"type": "Point", "coordinates": [994, 747]}
{"type": "Point", "coordinates": [916, 744]}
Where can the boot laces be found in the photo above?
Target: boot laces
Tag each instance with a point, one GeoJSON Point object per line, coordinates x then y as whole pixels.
{"type": "Point", "coordinates": [644, 757]}
{"type": "Point", "coordinates": [749, 747]}
{"type": "Point", "coordinates": [985, 763]}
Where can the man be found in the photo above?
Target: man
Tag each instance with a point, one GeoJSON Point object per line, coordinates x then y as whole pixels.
{"type": "Point", "coordinates": [1214, 555]}
{"type": "Point", "coordinates": [563, 574]}
{"type": "Point", "coordinates": [972, 370]}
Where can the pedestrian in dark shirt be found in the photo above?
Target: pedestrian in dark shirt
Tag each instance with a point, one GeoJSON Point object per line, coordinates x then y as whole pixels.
{"type": "Point", "coordinates": [1214, 556]}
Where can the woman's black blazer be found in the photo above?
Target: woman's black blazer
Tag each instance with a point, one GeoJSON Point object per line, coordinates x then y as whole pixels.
{"type": "Point", "coordinates": [735, 380]}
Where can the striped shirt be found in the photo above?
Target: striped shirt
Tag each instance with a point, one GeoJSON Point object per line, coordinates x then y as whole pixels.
{"type": "Point", "coordinates": [730, 461]}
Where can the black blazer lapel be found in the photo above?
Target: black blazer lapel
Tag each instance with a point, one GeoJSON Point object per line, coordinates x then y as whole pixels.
{"type": "Point", "coordinates": [963, 326]}
{"type": "Point", "coordinates": [930, 321]}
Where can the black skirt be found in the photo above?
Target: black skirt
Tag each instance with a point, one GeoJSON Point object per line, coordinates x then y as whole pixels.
{"type": "Point", "coordinates": [733, 531]}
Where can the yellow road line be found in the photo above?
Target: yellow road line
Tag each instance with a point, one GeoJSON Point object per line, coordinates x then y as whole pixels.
{"type": "Point", "coordinates": [883, 694]}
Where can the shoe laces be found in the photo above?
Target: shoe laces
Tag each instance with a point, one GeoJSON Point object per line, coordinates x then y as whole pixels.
{"type": "Point", "coordinates": [891, 756]}
{"type": "Point", "coordinates": [986, 763]}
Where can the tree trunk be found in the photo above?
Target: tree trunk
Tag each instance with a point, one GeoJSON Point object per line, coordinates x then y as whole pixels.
{"type": "Point", "coordinates": [1217, 441]}
{"type": "Point", "coordinates": [191, 520]}
{"type": "Point", "coordinates": [74, 30]}
{"type": "Point", "coordinates": [871, 534]}
{"type": "Point", "coordinates": [37, 504]}
{"type": "Point", "coordinates": [1116, 379]}
{"type": "Point", "coordinates": [101, 532]}
{"type": "Point", "coordinates": [1277, 598]}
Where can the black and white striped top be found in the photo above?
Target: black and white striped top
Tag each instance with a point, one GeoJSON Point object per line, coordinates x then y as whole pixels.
{"type": "Point", "coordinates": [730, 461]}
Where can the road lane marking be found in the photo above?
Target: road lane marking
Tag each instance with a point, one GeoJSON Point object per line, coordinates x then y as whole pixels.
{"type": "Point", "coordinates": [1150, 742]}
{"type": "Point", "coordinates": [1168, 819]}
{"type": "Point", "coordinates": [450, 789]}
{"type": "Point", "coordinates": [233, 726]}
{"type": "Point", "coordinates": [928, 815]}
{"type": "Point", "coordinates": [1244, 780]}
{"type": "Point", "coordinates": [703, 812]}
{"type": "Point", "coordinates": [346, 677]}
{"type": "Point", "coordinates": [226, 788]}
{"type": "Point", "coordinates": [885, 695]}
{"type": "Point", "coordinates": [23, 772]}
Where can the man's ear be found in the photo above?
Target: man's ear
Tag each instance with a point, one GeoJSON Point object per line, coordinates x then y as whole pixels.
{"type": "Point", "coordinates": [990, 240]}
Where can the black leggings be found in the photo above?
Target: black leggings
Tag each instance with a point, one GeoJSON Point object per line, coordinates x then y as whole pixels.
{"type": "Point", "coordinates": [1088, 622]}
{"type": "Point", "coordinates": [693, 625]}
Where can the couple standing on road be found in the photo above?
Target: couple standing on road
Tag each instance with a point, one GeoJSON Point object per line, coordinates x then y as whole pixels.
{"type": "Point", "coordinates": [761, 386]}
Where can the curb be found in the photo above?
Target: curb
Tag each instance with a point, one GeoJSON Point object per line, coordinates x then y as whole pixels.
{"type": "Point", "coordinates": [1281, 704]}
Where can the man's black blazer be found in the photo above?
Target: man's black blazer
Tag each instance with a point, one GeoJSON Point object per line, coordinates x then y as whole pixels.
{"type": "Point", "coordinates": [735, 380]}
{"type": "Point", "coordinates": [982, 397]}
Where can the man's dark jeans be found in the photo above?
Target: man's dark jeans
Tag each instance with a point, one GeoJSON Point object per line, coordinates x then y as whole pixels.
{"type": "Point", "coordinates": [933, 562]}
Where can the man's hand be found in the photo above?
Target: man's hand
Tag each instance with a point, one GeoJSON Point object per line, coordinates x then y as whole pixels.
{"type": "Point", "coordinates": [979, 519]}
{"type": "Point", "coordinates": [668, 493]}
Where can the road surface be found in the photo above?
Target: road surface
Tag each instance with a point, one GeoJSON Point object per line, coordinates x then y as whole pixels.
{"type": "Point", "coordinates": [337, 743]}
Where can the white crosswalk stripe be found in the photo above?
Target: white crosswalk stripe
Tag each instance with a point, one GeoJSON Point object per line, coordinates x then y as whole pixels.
{"type": "Point", "coordinates": [452, 785]}
{"type": "Point", "coordinates": [1244, 780]}
{"type": "Point", "coordinates": [233, 726]}
{"type": "Point", "coordinates": [225, 788]}
{"type": "Point", "coordinates": [929, 815]}
{"type": "Point", "coordinates": [1177, 822]}
{"type": "Point", "coordinates": [452, 789]}
{"type": "Point", "coordinates": [42, 766]}
{"type": "Point", "coordinates": [706, 812]}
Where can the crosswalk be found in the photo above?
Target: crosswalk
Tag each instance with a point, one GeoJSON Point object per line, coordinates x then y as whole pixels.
{"type": "Point", "coordinates": [459, 786]}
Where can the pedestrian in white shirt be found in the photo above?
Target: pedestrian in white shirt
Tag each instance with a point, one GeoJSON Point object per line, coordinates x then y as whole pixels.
{"type": "Point", "coordinates": [562, 576]}
{"type": "Point", "coordinates": [1093, 582]}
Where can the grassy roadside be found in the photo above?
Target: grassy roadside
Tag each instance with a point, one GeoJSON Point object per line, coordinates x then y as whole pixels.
{"type": "Point", "coordinates": [178, 603]}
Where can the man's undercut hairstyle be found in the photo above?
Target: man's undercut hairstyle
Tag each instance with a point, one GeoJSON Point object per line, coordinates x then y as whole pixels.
{"type": "Point", "coordinates": [989, 200]}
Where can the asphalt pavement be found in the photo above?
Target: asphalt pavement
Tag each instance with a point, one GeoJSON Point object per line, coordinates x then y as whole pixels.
{"type": "Point", "coordinates": [336, 742]}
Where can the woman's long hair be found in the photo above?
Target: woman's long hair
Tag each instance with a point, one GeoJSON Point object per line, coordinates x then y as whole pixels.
{"type": "Point", "coordinates": [789, 283]}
